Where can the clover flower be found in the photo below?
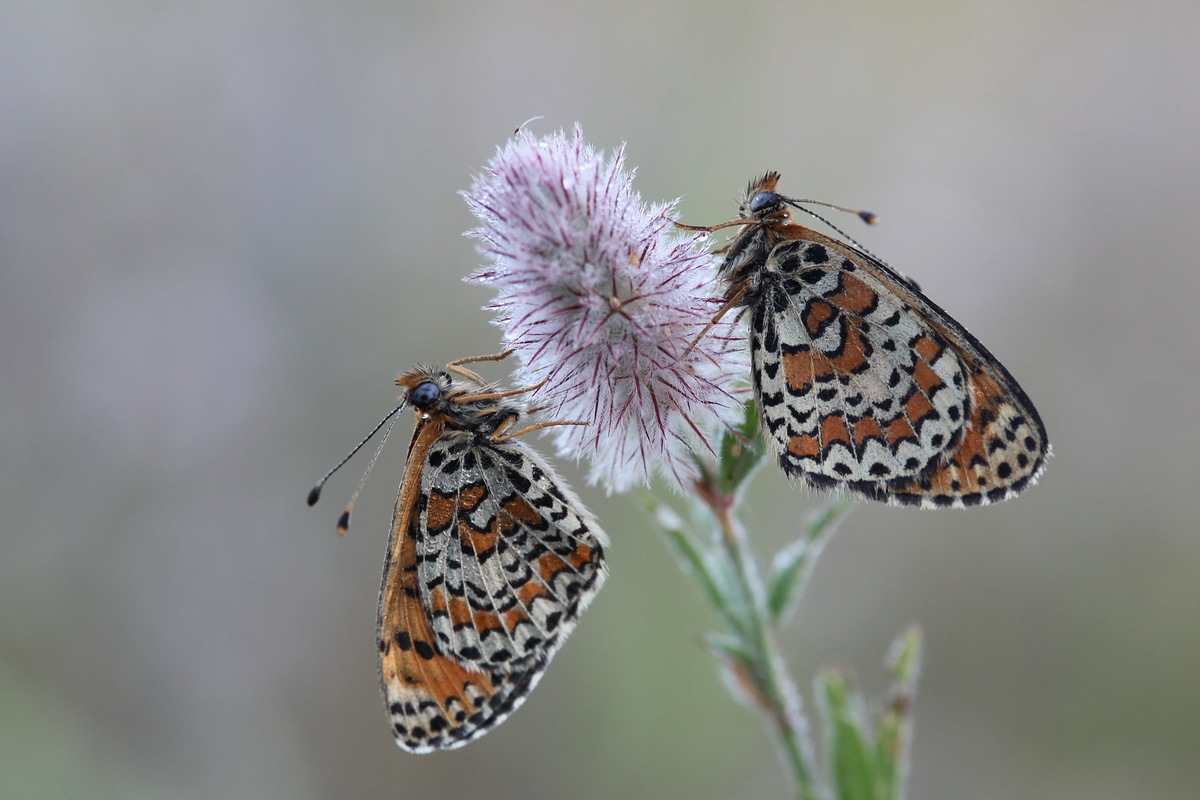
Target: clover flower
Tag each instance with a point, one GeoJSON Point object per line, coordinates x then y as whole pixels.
{"type": "Point", "coordinates": [602, 299]}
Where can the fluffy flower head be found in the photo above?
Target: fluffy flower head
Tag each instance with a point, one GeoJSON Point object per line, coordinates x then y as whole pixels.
{"type": "Point", "coordinates": [602, 298]}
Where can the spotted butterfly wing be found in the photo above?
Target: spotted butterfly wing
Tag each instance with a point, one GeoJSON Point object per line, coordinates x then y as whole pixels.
{"type": "Point", "coordinates": [490, 562]}
{"type": "Point", "coordinates": [862, 382]}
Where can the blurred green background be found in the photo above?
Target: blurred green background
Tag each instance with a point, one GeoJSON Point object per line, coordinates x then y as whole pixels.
{"type": "Point", "coordinates": [226, 226]}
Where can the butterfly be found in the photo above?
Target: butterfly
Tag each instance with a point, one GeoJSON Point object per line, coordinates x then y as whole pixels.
{"type": "Point", "coordinates": [862, 383]}
{"type": "Point", "coordinates": [491, 560]}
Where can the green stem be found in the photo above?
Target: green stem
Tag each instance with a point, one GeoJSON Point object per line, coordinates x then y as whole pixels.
{"type": "Point", "coordinates": [776, 691]}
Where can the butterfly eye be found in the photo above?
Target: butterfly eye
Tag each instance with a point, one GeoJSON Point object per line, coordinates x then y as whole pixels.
{"type": "Point", "coordinates": [763, 201]}
{"type": "Point", "coordinates": [424, 395]}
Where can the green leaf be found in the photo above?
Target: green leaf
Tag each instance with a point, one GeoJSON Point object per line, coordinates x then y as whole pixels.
{"type": "Point", "coordinates": [851, 763]}
{"type": "Point", "coordinates": [866, 765]}
{"type": "Point", "coordinates": [889, 759]}
{"type": "Point", "coordinates": [687, 553]}
{"type": "Point", "coordinates": [742, 450]}
{"type": "Point", "coordinates": [740, 668]}
{"type": "Point", "coordinates": [714, 574]}
{"type": "Point", "coordinates": [904, 657]}
{"type": "Point", "coordinates": [895, 721]}
{"type": "Point", "coordinates": [823, 524]}
{"type": "Point", "coordinates": [793, 564]}
{"type": "Point", "coordinates": [730, 648]}
{"type": "Point", "coordinates": [788, 573]}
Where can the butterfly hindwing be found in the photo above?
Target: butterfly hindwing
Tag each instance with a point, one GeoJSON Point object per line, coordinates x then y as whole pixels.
{"type": "Point", "coordinates": [506, 562]}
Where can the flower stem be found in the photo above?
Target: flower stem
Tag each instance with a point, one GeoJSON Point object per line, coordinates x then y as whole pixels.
{"type": "Point", "coordinates": [770, 684]}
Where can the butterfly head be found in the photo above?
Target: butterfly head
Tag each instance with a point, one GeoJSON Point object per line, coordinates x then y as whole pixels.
{"type": "Point", "coordinates": [762, 201]}
{"type": "Point", "coordinates": [425, 389]}
{"type": "Point", "coordinates": [435, 394]}
{"type": "Point", "coordinates": [425, 395]}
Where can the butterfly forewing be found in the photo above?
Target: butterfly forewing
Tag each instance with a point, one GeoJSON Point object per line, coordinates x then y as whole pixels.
{"type": "Point", "coordinates": [866, 385]}
{"type": "Point", "coordinates": [492, 559]}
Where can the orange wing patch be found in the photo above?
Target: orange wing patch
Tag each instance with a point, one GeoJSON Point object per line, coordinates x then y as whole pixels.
{"type": "Point", "coordinates": [426, 692]}
{"type": "Point", "coordinates": [867, 428]}
{"type": "Point", "coordinates": [517, 511]}
{"type": "Point", "coordinates": [816, 316]}
{"type": "Point", "coordinates": [854, 296]}
{"type": "Point", "coordinates": [998, 455]}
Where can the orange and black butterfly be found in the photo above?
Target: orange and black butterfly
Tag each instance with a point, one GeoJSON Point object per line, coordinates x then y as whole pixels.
{"type": "Point", "coordinates": [862, 382]}
{"type": "Point", "coordinates": [490, 562]}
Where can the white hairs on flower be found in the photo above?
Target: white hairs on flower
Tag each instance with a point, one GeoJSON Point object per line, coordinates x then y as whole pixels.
{"type": "Point", "coordinates": [602, 299]}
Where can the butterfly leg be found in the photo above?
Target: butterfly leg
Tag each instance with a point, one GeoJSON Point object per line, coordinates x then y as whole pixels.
{"type": "Point", "coordinates": [736, 299]}
{"type": "Point", "coordinates": [499, 436]}
{"type": "Point", "coordinates": [456, 366]}
{"type": "Point", "coordinates": [711, 228]}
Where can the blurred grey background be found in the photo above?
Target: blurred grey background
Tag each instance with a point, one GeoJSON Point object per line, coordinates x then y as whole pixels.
{"type": "Point", "coordinates": [226, 226]}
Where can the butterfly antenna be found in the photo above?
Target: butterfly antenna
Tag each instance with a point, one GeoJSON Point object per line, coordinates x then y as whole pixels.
{"type": "Point", "coordinates": [526, 122]}
{"type": "Point", "coordinates": [314, 494]}
{"type": "Point", "coordinates": [868, 217]}
{"type": "Point", "coordinates": [343, 524]}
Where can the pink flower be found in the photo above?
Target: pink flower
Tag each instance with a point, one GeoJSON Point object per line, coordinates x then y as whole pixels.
{"type": "Point", "coordinates": [602, 298]}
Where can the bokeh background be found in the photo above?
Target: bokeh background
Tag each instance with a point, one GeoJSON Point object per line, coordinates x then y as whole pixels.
{"type": "Point", "coordinates": [226, 226]}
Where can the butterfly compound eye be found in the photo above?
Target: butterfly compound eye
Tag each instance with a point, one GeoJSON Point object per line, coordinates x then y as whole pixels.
{"type": "Point", "coordinates": [762, 201]}
{"type": "Point", "coordinates": [424, 395]}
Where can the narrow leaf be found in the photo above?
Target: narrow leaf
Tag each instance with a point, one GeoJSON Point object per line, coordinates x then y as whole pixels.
{"type": "Point", "coordinates": [823, 524]}
{"type": "Point", "coordinates": [741, 671]}
{"type": "Point", "coordinates": [787, 575]}
{"type": "Point", "coordinates": [851, 764]}
{"type": "Point", "coordinates": [742, 450]}
{"type": "Point", "coordinates": [714, 574]}
{"type": "Point", "coordinates": [895, 721]}
{"type": "Point", "coordinates": [727, 647]}
{"type": "Point", "coordinates": [687, 553]}
{"type": "Point", "coordinates": [793, 564]}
